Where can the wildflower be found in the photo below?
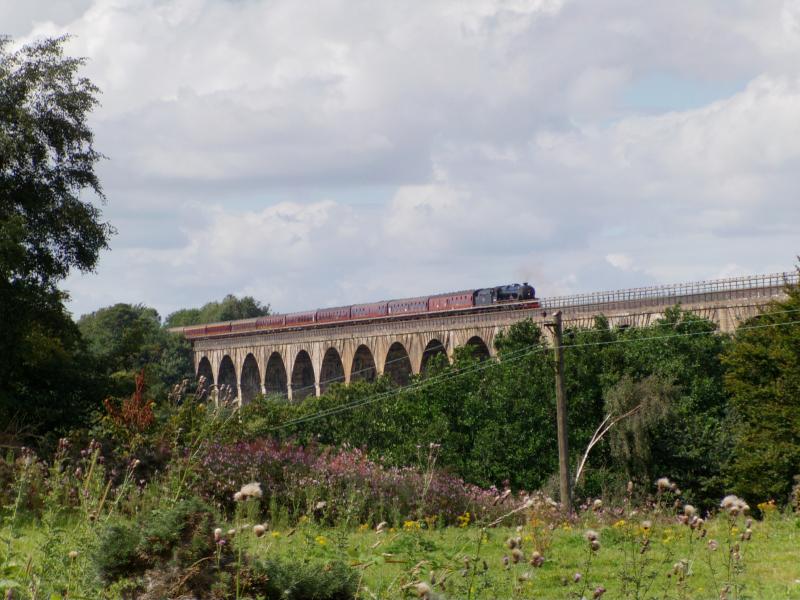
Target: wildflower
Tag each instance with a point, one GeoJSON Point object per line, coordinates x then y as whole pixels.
{"type": "Point", "coordinates": [591, 535]}
{"type": "Point", "coordinates": [73, 554]}
{"type": "Point", "coordinates": [597, 504]}
{"type": "Point", "coordinates": [321, 540]}
{"type": "Point", "coordinates": [647, 525]}
{"type": "Point", "coordinates": [517, 555]}
{"type": "Point", "coordinates": [712, 545]}
{"type": "Point", "coordinates": [537, 560]}
{"type": "Point", "coordinates": [411, 525]}
{"type": "Point", "coordinates": [423, 590]}
{"type": "Point", "coordinates": [747, 534]}
{"type": "Point", "coordinates": [259, 530]}
{"type": "Point", "coordinates": [689, 510]}
{"type": "Point", "coordinates": [618, 524]}
{"type": "Point", "coordinates": [249, 490]}
{"type": "Point", "coordinates": [595, 544]}
{"type": "Point", "coordinates": [511, 543]}
{"type": "Point", "coordinates": [598, 591]}
{"type": "Point", "coordinates": [577, 577]}
{"type": "Point", "coordinates": [217, 534]}
{"type": "Point", "coordinates": [276, 534]}
{"type": "Point", "coordinates": [663, 484]}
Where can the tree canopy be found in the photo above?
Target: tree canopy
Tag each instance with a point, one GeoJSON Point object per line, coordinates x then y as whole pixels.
{"type": "Point", "coordinates": [50, 224]}
{"type": "Point", "coordinates": [229, 309]}
{"type": "Point", "coordinates": [125, 338]}
{"type": "Point", "coordinates": [763, 377]}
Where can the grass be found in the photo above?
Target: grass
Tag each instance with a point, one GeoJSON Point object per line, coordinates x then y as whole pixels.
{"type": "Point", "coordinates": [477, 563]}
{"type": "Point", "coordinates": [394, 560]}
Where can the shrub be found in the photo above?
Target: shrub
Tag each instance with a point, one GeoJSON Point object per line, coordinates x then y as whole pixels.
{"type": "Point", "coordinates": [180, 535]}
{"type": "Point", "coordinates": [298, 580]}
{"type": "Point", "coordinates": [118, 552]}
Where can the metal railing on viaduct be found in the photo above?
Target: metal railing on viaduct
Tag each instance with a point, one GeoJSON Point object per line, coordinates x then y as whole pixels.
{"type": "Point", "coordinates": [303, 361]}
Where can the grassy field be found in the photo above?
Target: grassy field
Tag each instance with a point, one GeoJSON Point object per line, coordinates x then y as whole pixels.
{"type": "Point", "coordinates": [419, 559]}
{"type": "Point", "coordinates": [393, 561]}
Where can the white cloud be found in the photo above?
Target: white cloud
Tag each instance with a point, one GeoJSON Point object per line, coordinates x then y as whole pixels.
{"type": "Point", "coordinates": [338, 151]}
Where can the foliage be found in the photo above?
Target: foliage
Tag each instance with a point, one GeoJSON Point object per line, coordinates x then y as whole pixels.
{"type": "Point", "coordinates": [228, 309]}
{"type": "Point", "coordinates": [134, 414]}
{"type": "Point", "coordinates": [649, 404]}
{"type": "Point", "coordinates": [350, 486]}
{"type": "Point", "coordinates": [126, 339]}
{"type": "Point", "coordinates": [490, 419]}
{"type": "Point", "coordinates": [763, 377]}
{"type": "Point", "coordinates": [293, 579]}
{"type": "Point", "coordinates": [179, 535]}
{"type": "Point", "coordinates": [47, 229]}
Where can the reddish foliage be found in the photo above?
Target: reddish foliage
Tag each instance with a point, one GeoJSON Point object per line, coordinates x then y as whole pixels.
{"type": "Point", "coordinates": [134, 413]}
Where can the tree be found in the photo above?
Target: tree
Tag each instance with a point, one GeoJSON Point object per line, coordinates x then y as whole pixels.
{"type": "Point", "coordinates": [48, 226]}
{"type": "Point", "coordinates": [125, 339]}
{"type": "Point", "coordinates": [229, 309]}
{"type": "Point", "coordinates": [763, 377]}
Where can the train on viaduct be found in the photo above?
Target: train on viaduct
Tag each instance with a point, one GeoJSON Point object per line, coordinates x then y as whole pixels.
{"type": "Point", "coordinates": [302, 354]}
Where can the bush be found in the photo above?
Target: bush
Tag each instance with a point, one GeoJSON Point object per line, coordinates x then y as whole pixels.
{"type": "Point", "coordinates": [118, 552]}
{"type": "Point", "coordinates": [297, 580]}
{"type": "Point", "coordinates": [180, 536]}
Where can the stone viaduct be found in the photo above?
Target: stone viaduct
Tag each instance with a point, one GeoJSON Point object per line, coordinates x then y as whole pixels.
{"type": "Point", "coordinates": [307, 360]}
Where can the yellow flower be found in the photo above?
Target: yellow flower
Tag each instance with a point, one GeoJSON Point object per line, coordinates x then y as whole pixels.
{"type": "Point", "coordinates": [321, 540]}
{"type": "Point", "coordinates": [767, 506]}
{"type": "Point", "coordinates": [566, 527]}
{"type": "Point", "coordinates": [463, 520]}
{"type": "Point", "coordinates": [363, 527]}
{"type": "Point", "coordinates": [620, 523]}
{"type": "Point", "coordinates": [276, 534]}
{"type": "Point", "coordinates": [303, 519]}
{"type": "Point", "coordinates": [411, 525]}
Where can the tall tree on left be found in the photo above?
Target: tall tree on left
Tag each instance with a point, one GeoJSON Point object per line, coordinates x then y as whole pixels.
{"type": "Point", "coordinates": [50, 225]}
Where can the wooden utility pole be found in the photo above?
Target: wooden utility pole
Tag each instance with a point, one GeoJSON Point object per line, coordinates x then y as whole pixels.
{"type": "Point", "coordinates": [561, 416]}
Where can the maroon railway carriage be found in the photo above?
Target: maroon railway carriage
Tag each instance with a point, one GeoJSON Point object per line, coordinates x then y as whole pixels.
{"type": "Point", "coordinates": [408, 306]}
{"type": "Point", "coordinates": [300, 318]}
{"type": "Point", "coordinates": [194, 331]}
{"type": "Point", "coordinates": [218, 328]}
{"type": "Point", "coordinates": [328, 315]}
{"type": "Point", "coordinates": [270, 322]}
{"type": "Point", "coordinates": [365, 311]}
{"type": "Point", "coordinates": [243, 325]}
{"type": "Point", "coordinates": [452, 301]}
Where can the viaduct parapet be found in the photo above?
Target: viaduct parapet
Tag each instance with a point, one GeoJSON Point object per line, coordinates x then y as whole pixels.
{"type": "Point", "coordinates": [307, 360]}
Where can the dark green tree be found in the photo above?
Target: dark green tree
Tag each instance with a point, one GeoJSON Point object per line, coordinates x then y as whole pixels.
{"type": "Point", "coordinates": [229, 309]}
{"type": "Point", "coordinates": [50, 225]}
{"type": "Point", "coordinates": [763, 377]}
{"type": "Point", "coordinates": [126, 338]}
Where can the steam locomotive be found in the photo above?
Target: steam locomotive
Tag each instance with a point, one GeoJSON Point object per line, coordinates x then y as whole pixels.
{"type": "Point", "coordinates": [513, 293]}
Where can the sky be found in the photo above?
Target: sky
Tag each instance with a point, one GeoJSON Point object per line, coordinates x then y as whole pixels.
{"type": "Point", "coordinates": [331, 152]}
